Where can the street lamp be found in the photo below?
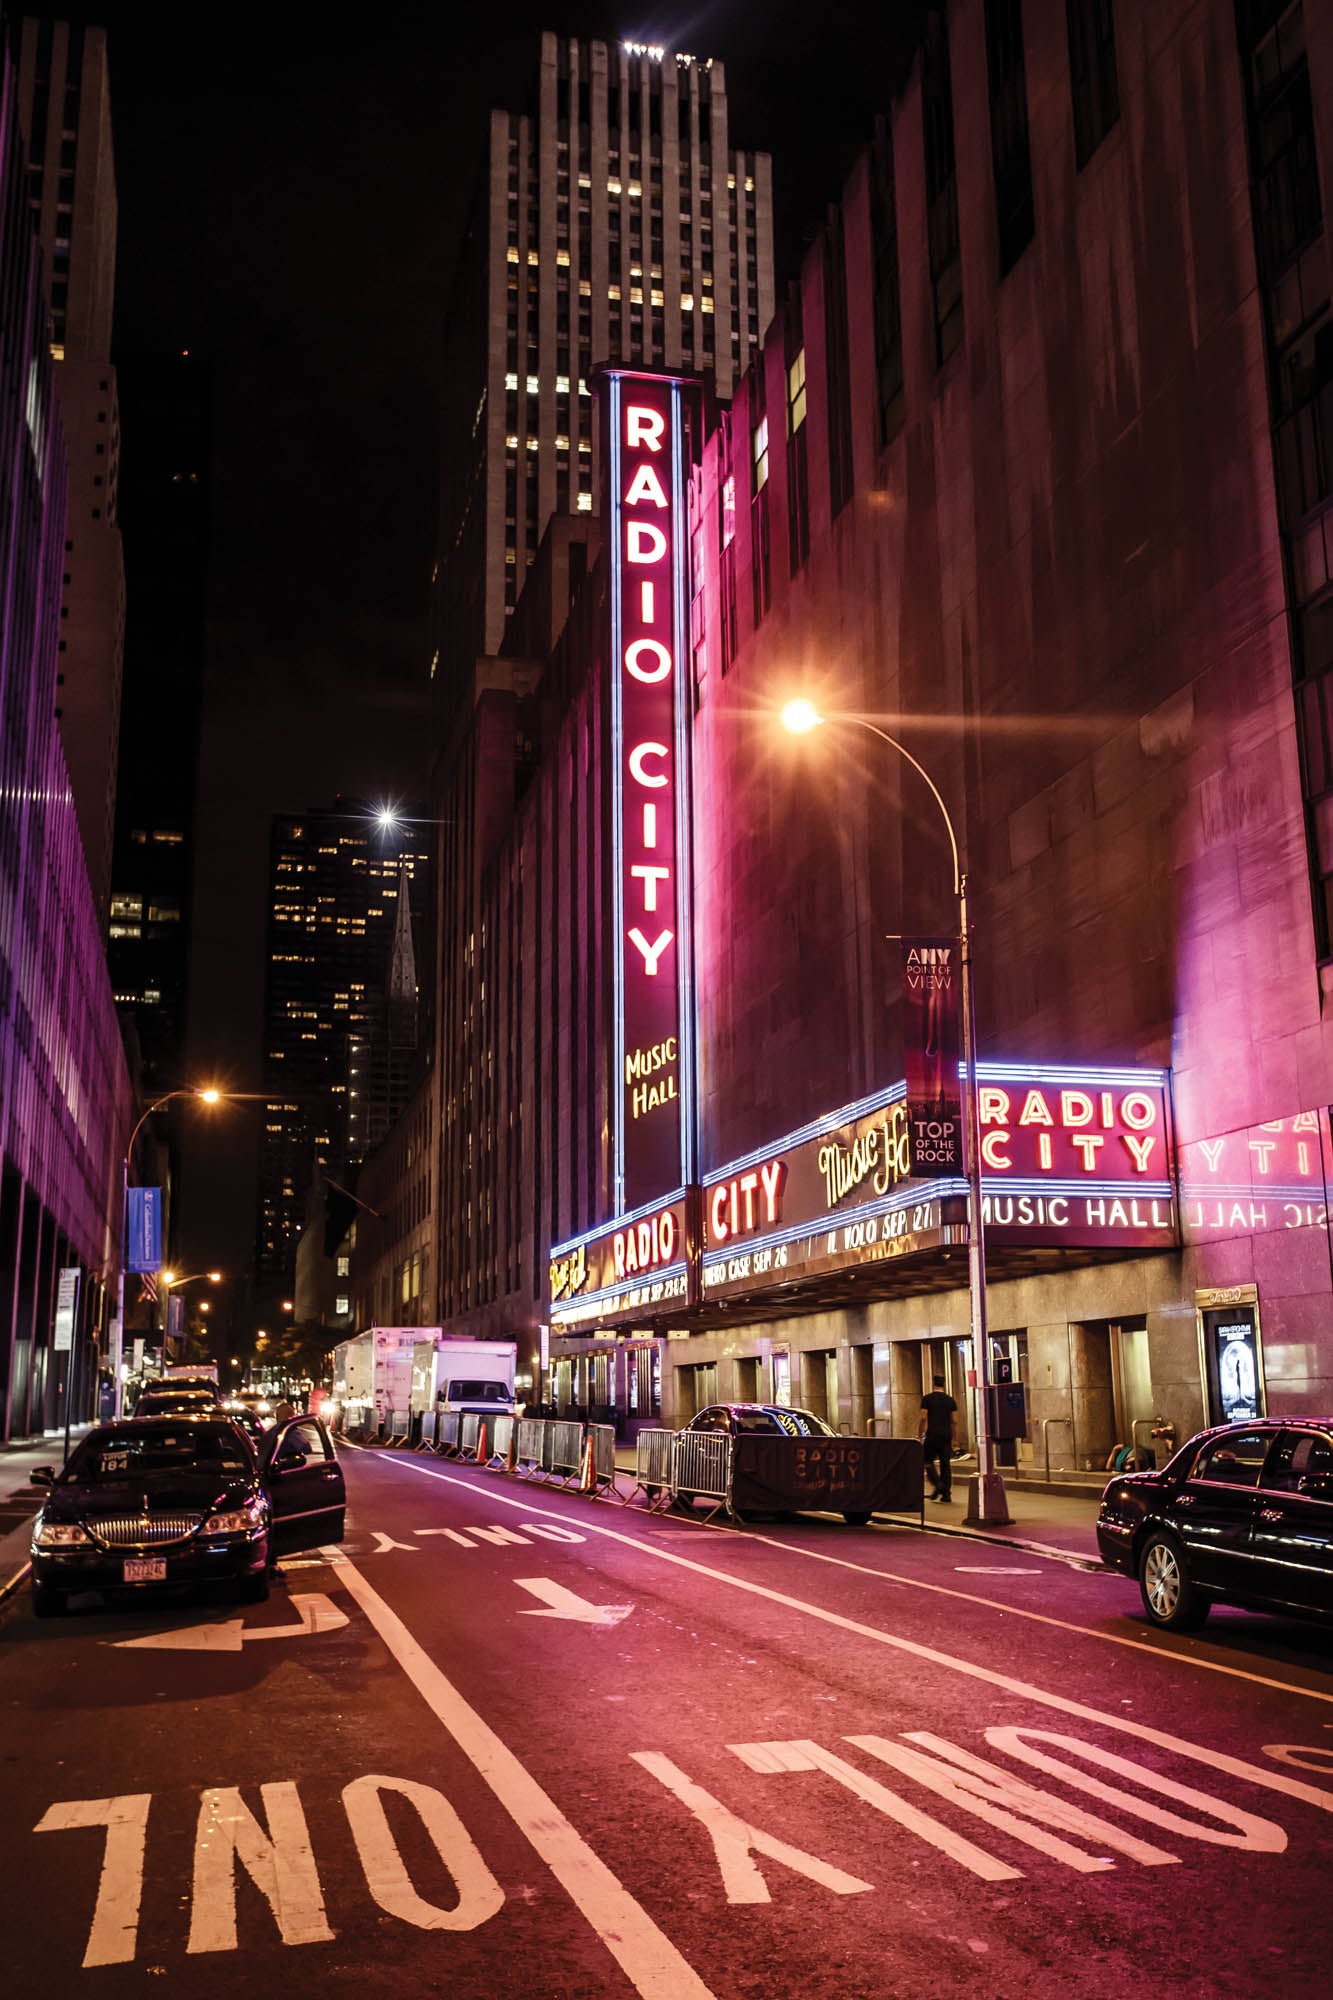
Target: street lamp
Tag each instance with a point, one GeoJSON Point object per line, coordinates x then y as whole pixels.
{"type": "Point", "coordinates": [986, 1495]}
{"type": "Point", "coordinates": [206, 1096]}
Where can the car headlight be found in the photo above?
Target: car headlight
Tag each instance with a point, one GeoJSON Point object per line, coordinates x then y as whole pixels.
{"type": "Point", "coordinates": [60, 1535]}
{"type": "Point", "coordinates": [240, 1521]}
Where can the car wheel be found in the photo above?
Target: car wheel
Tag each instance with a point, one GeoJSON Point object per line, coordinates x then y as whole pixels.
{"type": "Point", "coordinates": [255, 1589]}
{"type": "Point", "coordinates": [1169, 1597]}
{"type": "Point", "coordinates": [48, 1603]}
{"type": "Point", "coordinates": [856, 1520]}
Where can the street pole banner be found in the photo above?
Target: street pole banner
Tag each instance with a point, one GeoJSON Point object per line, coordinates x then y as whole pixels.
{"type": "Point", "coordinates": [143, 1229]}
{"type": "Point", "coordinates": [931, 1049]}
{"type": "Point", "coordinates": [175, 1315]}
{"type": "Point", "coordinates": [67, 1307]}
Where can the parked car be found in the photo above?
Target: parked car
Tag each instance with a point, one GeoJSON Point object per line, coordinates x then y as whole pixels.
{"type": "Point", "coordinates": [771, 1418]}
{"type": "Point", "coordinates": [1242, 1514]}
{"type": "Point", "coordinates": [182, 1500]}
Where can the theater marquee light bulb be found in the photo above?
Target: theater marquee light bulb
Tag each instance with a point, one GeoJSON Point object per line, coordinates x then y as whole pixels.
{"type": "Point", "coordinates": [801, 717]}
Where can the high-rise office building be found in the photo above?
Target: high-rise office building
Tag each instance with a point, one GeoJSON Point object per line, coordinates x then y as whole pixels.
{"type": "Point", "coordinates": [65, 1110]}
{"type": "Point", "coordinates": [335, 881]}
{"type": "Point", "coordinates": [613, 223]}
{"type": "Point", "coordinates": [165, 489]}
{"type": "Point", "coordinates": [64, 91]}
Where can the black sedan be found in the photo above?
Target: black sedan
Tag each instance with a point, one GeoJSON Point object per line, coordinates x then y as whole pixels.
{"type": "Point", "coordinates": [182, 1500]}
{"type": "Point", "coordinates": [763, 1419]}
{"type": "Point", "coordinates": [1241, 1515]}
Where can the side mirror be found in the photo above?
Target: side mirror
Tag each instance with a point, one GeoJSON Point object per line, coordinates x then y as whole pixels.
{"type": "Point", "coordinates": [42, 1475]}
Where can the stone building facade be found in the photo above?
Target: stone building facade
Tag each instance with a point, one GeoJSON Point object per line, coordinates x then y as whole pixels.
{"type": "Point", "coordinates": [1031, 472]}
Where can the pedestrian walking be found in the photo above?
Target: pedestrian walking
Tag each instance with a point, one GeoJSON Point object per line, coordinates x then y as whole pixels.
{"type": "Point", "coordinates": [938, 1431]}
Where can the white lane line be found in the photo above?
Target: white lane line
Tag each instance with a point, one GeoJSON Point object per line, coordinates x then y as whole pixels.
{"type": "Point", "coordinates": [1218, 1760]}
{"type": "Point", "coordinates": [647, 1957]}
{"type": "Point", "coordinates": [1011, 1610]}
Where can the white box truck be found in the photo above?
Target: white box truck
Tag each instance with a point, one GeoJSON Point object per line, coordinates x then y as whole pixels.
{"type": "Point", "coordinates": [464, 1374]}
{"type": "Point", "coordinates": [409, 1370]}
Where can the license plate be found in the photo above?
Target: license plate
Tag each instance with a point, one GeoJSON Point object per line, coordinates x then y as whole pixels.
{"type": "Point", "coordinates": [151, 1569]}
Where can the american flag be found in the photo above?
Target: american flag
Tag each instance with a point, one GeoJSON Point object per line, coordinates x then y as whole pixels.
{"type": "Point", "coordinates": [148, 1286]}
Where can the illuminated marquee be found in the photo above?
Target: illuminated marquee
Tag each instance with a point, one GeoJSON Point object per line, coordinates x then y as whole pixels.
{"type": "Point", "coordinates": [654, 1053]}
{"type": "Point", "coordinates": [627, 1272]}
{"type": "Point", "coordinates": [1073, 1159]}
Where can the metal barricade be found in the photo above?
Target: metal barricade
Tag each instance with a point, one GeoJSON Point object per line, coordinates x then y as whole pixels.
{"type": "Point", "coordinates": [530, 1447]}
{"type": "Point", "coordinates": [701, 1467]}
{"type": "Point", "coordinates": [652, 1468]}
{"type": "Point", "coordinates": [467, 1434]}
{"type": "Point", "coordinates": [446, 1431]}
{"type": "Point", "coordinates": [429, 1420]}
{"type": "Point", "coordinates": [500, 1439]}
{"type": "Point", "coordinates": [562, 1449]}
{"type": "Point", "coordinates": [602, 1437]}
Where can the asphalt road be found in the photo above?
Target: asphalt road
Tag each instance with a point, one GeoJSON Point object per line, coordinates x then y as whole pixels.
{"type": "Point", "coordinates": [512, 1743]}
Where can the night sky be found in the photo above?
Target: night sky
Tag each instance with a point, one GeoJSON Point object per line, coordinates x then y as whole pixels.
{"type": "Point", "coordinates": [291, 198]}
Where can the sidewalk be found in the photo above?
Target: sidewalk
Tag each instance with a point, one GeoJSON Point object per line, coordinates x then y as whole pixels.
{"type": "Point", "coordinates": [1040, 1522]}
{"type": "Point", "coordinates": [19, 1501]}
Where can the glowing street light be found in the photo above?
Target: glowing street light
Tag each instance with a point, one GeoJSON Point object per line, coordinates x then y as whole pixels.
{"type": "Point", "coordinates": [986, 1502]}
{"type": "Point", "coordinates": [210, 1095]}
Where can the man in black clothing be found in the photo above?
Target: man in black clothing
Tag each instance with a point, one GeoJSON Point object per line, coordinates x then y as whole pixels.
{"type": "Point", "coordinates": [938, 1431]}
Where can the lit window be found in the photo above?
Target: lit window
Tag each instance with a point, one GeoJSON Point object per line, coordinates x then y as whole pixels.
{"type": "Point", "coordinates": [127, 906]}
{"type": "Point", "coordinates": [562, 385]}
{"type": "Point", "coordinates": [796, 393]}
{"type": "Point", "coordinates": [533, 384]}
{"type": "Point", "coordinates": [532, 444]}
{"type": "Point", "coordinates": [341, 1305]}
{"type": "Point", "coordinates": [562, 443]}
{"type": "Point", "coordinates": [761, 454]}
{"type": "Point", "coordinates": [706, 305]}
{"type": "Point", "coordinates": [562, 257]}
{"type": "Point", "coordinates": [511, 444]}
{"type": "Point", "coordinates": [636, 295]}
{"type": "Point", "coordinates": [585, 444]}
{"type": "Point", "coordinates": [635, 190]}
{"type": "Point", "coordinates": [513, 253]}
{"type": "Point", "coordinates": [613, 187]}
{"type": "Point", "coordinates": [613, 291]}
{"type": "Point", "coordinates": [532, 256]}
{"type": "Point", "coordinates": [585, 503]}
{"type": "Point", "coordinates": [511, 382]}
{"type": "Point", "coordinates": [657, 299]}
{"type": "Point", "coordinates": [687, 302]}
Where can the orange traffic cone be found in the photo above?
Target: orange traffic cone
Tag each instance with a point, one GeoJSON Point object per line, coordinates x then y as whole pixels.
{"type": "Point", "coordinates": [588, 1476]}
{"type": "Point", "coordinates": [482, 1453]}
{"type": "Point", "coordinates": [511, 1456]}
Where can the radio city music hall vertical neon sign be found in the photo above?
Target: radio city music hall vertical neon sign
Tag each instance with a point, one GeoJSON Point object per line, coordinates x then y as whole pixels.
{"type": "Point", "coordinates": [654, 1042]}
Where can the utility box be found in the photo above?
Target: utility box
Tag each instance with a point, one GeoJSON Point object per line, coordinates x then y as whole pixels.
{"type": "Point", "coordinates": [1008, 1410]}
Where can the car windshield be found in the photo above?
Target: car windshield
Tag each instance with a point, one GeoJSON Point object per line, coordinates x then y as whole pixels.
{"type": "Point", "coordinates": [171, 1403]}
{"type": "Point", "coordinates": [478, 1392]}
{"type": "Point", "coordinates": [128, 1452]}
{"type": "Point", "coordinates": [791, 1423]}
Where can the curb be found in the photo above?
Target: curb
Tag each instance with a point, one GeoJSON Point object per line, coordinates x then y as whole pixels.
{"type": "Point", "coordinates": [1091, 1563]}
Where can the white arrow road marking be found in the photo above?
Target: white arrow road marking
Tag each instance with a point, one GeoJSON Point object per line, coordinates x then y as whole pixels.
{"type": "Point", "coordinates": [562, 1603]}
{"type": "Point", "coordinates": [992, 1569]}
{"type": "Point", "coordinates": [316, 1612]}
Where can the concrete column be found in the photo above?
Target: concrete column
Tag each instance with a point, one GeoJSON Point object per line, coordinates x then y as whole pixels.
{"type": "Point", "coordinates": [905, 1386]}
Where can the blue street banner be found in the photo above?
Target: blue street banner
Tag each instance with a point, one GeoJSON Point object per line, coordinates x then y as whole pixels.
{"type": "Point", "coordinates": [143, 1229]}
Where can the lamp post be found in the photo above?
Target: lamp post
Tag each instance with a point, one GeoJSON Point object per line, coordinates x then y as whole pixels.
{"type": "Point", "coordinates": [209, 1096]}
{"type": "Point", "coordinates": [986, 1496]}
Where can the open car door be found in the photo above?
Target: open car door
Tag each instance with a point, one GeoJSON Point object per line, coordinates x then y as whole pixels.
{"type": "Point", "coordinates": [304, 1482]}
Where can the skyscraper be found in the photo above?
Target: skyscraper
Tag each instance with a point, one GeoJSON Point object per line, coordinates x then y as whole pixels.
{"type": "Point", "coordinates": [612, 223]}
{"type": "Point", "coordinates": [64, 89]}
{"type": "Point", "coordinates": [334, 889]}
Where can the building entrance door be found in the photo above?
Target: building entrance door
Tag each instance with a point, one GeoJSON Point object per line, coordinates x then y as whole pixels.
{"type": "Point", "coordinates": [1131, 1380]}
